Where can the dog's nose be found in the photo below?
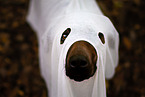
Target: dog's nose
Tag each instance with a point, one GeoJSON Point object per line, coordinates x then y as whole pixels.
{"type": "Point", "coordinates": [81, 61]}
{"type": "Point", "coordinates": [78, 61]}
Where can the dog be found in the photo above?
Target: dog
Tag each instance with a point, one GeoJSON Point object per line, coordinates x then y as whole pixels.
{"type": "Point", "coordinates": [78, 46]}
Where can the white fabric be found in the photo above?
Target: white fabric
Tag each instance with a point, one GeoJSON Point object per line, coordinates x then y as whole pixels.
{"type": "Point", "coordinates": [50, 18]}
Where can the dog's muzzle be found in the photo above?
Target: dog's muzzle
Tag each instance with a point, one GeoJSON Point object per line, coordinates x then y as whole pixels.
{"type": "Point", "coordinates": [81, 61]}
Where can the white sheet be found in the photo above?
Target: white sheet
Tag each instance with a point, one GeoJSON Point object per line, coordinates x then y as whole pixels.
{"type": "Point", "coordinates": [50, 18]}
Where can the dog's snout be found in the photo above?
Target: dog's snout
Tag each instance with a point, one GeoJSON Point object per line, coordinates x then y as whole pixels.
{"type": "Point", "coordinates": [81, 61]}
{"type": "Point", "coordinates": [78, 62]}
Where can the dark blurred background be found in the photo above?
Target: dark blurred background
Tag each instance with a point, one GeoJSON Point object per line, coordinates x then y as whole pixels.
{"type": "Point", "coordinates": [19, 65]}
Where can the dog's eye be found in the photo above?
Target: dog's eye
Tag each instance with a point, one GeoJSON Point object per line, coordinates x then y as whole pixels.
{"type": "Point", "coordinates": [64, 35]}
{"type": "Point", "coordinates": [101, 36]}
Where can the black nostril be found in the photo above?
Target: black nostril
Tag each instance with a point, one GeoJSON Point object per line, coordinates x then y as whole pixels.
{"type": "Point", "coordinates": [78, 62]}
{"type": "Point", "coordinates": [73, 63]}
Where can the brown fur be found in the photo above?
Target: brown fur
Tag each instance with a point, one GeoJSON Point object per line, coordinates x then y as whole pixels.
{"type": "Point", "coordinates": [81, 61]}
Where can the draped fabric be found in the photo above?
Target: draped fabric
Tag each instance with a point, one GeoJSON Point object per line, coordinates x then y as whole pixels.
{"type": "Point", "coordinates": [50, 18]}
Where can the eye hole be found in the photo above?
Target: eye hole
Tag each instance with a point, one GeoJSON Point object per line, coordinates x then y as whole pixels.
{"type": "Point", "coordinates": [64, 35]}
{"type": "Point", "coordinates": [101, 36]}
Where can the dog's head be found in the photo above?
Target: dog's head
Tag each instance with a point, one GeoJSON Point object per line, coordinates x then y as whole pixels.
{"type": "Point", "coordinates": [81, 58]}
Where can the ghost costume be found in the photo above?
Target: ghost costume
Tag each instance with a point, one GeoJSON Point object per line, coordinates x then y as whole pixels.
{"type": "Point", "coordinates": [50, 18]}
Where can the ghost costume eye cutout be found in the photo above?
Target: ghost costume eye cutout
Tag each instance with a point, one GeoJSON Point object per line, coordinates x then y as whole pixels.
{"type": "Point", "coordinates": [101, 36]}
{"type": "Point", "coordinates": [64, 35]}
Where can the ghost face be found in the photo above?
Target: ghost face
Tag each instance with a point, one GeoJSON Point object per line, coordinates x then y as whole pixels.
{"type": "Point", "coordinates": [81, 61]}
